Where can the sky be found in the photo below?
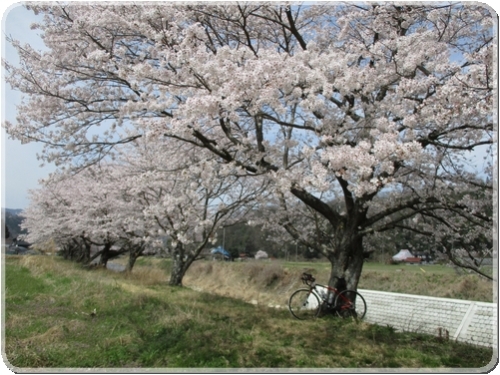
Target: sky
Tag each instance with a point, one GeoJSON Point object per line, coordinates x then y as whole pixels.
{"type": "Point", "coordinates": [21, 170]}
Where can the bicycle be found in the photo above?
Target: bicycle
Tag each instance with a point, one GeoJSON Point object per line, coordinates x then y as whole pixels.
{"type": "Point", "coordinates": [307, 303]}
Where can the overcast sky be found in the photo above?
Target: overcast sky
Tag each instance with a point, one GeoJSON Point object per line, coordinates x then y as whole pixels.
{"type": "Point", "coordinates": [21, 170]}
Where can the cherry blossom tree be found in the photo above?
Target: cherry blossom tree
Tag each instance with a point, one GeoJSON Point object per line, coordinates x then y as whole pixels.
{"type": "Point", "coordinates": [78, 211]}
{"type": "Point", "coordinates": [349, 101]}
{"type": "Point", "coordinates": [187, 199]}
{"type": "Point", "coordinates": [137, 200]}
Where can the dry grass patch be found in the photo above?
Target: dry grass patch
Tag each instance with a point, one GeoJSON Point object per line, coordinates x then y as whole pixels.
{"type": "Point", "coordinates": [122, 340]}
{"type": "Point", "coordinates": [265, 283]}
{"type": "Point", "coordinates": [39, 265]}
{"type": "Point", "coordinates": [148, 276]}
{"type": "Point", "coordinates": [471, 288]}
{"type": "Point", "coordinates": [53, 334]}
{"type": "Point", "coordinates": [439, 284]}
{"type": "Point", "coordinates": [14, 321]}
{"type": "Point", "coordinates": [135, 289]}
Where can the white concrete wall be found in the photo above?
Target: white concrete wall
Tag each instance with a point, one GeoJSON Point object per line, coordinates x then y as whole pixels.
{"type": "Point", "coordinates": [468, 321]}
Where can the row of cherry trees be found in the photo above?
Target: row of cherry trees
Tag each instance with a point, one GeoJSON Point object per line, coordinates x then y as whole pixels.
{"type": "Point", "coordinates": [317, 103]}
{"type": "Point", "coordinates": [136, 201]}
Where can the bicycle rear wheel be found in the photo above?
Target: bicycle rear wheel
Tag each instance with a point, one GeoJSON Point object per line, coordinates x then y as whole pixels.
{"type": "Point", "coordinates": [303, 304]}
{"type": "Point", "coordinates": [350, 303]}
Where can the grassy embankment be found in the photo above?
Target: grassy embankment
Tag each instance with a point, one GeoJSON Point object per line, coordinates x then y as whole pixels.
{"type": "Point", "coordinates": [277, 280]}
{"type": "Point", "coordinates": [142, 322]}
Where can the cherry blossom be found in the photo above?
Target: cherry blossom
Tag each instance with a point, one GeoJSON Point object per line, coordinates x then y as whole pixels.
{"type": "Point", "coordinates": [319, 103]}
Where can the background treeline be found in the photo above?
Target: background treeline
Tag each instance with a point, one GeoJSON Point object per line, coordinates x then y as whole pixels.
{"type": "Point", "coordinates": [11, 223]}
{"type": "Point", "coordinates": [241, 239]}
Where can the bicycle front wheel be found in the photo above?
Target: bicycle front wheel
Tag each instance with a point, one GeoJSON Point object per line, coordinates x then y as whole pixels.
{"type": "Point", "coordinates": [304, 304]}
{"type": "Point", "coordinates": [350, 303]}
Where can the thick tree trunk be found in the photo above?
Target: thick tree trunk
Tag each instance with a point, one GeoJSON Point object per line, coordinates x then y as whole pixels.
{"type": "Point", "coordinates": [134, 253]}
{"type": "Point", "coordinates": [105, 255]}
{"type": "Point", "coordinates": [177, 273]}
{"type": "Point", "coordinates": [84, 256]}
{"type": "Point", "coordinates": [131, 262]}
{"type": "Point", "coordinates": [181, 263]}
{"type": "Point", "coordinates": [179, 268]}
{"type": "Point", "coordinates": [347, 263]}
{"type": "Point", "coordinates": [346, 253]}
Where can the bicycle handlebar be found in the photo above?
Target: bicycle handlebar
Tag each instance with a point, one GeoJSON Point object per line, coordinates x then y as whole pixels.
{"type": "Point", "coordinates": [307, 278]}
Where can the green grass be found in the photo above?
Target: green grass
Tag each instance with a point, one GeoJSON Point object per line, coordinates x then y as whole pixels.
{"type": "Point", "coordinates": [144, 324]}
{"type": "Point", "coordinates": [372, 265]}
{"type": "Point", "coordinates": [379, 267]}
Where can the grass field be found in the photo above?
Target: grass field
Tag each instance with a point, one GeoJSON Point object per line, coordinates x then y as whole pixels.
{"type": "Point", "coordinates": [273, 284]}
{"type": "Point", "coordinates": [141, 322]}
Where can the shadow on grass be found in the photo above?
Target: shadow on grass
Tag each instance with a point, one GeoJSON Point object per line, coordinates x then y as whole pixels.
{"type": "Point", "coordinates": [179, 328]}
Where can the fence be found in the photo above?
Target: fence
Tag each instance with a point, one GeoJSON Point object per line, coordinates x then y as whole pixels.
{"type": "Point", "coordinates": [467, 321]}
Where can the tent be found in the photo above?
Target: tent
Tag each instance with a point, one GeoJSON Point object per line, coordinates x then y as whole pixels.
{"type": "Point", "coordinates": [261, 255]}
{"type": "Point", "coordinates": [402, 255]}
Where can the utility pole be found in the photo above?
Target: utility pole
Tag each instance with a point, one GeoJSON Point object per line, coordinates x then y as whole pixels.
{"type": "Point", "coordinates": [224, 237]}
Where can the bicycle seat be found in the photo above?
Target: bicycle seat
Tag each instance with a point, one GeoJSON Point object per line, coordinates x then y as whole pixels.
{"type": "Point", "coordinates": [307, 278]}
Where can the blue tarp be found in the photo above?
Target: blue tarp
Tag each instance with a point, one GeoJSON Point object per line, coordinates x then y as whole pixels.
{"type": "Point", "coordinates": [221, 250]}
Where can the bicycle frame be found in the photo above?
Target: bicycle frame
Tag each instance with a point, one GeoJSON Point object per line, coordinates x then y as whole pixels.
{"type": "Point", "coordinates": [338, 302]}
{"type": "Point", "coordinates": [322, 291]}
{"type": "Point", "coordinates": [323, 296]}
{"type": "Point", "coordinates": [326, 298]}
{"type": "Point", "coordinates": [310, 302]}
